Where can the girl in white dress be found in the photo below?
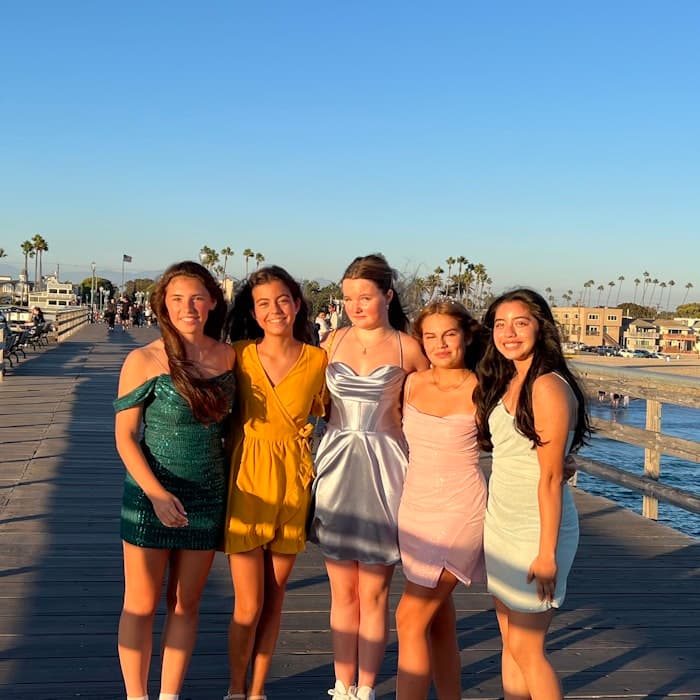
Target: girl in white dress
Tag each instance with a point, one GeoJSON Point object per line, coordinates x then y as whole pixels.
{"type": "Point", "coordinates": [530, 413]}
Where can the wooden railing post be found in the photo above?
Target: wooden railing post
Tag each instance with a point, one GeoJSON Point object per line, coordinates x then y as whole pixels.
{"type": "Point", "coordinates": [652, 459]}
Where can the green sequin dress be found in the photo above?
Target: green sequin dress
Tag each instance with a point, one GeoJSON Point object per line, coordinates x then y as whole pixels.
{"type": "Point", "coordinates": [187, 458]}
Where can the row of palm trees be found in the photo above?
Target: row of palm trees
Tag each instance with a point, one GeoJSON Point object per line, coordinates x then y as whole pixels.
{"type": "Point", "coordinates": [211, 259]}
{"type": "Point", "coordinates": [34, 248]}
{"type": "Point", "coordinates": [463, 280]}
{"type": "Point", "coordinates": [585, 297]}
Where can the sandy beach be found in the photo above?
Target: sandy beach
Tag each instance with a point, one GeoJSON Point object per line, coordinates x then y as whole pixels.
{"type": "Point", "coordinates": [689, 366]}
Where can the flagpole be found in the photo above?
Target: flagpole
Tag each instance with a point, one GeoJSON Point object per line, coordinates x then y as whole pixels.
{"type": "Point", "coordinates": [122, 289]}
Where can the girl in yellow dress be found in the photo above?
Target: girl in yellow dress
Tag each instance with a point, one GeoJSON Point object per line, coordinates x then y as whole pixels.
{"type": "Point", "coordinates": [280, 383]}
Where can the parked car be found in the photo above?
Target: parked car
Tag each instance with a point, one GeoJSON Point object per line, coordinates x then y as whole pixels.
{"type": "Point", "coordinates": [624, 352]}
{"type": "Point", "coordinates": [644, 354]}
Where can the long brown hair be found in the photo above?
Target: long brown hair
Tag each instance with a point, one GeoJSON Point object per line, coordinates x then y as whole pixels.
{"type": "Point", "coordinates": [207, 399]}
{"type": "Point", "coordinates": [376, 269]}
{"type": "Point", "coordinates": [495, 371]}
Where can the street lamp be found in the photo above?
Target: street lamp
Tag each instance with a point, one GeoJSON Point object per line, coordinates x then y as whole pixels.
{"type": "Point", "coordinates": [92, 293]}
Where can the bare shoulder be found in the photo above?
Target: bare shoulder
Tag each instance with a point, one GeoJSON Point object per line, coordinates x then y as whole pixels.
{"type": "Point", "coordinates": [414, 359]}
{"type": "Point", "coordinates": [551, 387]}
{"type": "Point", "coordinates": [139, 366]}
{"type": "Point", "coordinates": [334, 337]}
{"type": "Point", "coordinates": [228, 355]}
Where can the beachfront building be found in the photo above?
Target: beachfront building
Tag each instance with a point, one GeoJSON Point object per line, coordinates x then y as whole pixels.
{"type": "Point", "coordinates": [642, 335]}
{"type": "Point", "coordinates": [676, 337]}
{"type": "Point", "coordinates": [55, 294]}
{"type": "Point", "coordinates": [595, 325]}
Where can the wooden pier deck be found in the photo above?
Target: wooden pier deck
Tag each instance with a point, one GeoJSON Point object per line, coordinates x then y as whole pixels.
{"type": "Point", "coordinates": [630, 627]}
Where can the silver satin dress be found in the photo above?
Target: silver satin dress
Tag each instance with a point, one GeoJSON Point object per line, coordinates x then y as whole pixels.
{"type": "Point", "coordinates": [360, 467]}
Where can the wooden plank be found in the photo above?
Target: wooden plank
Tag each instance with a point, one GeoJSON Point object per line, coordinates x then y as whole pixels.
{"type": "Point", "coordinates": [622, 632]}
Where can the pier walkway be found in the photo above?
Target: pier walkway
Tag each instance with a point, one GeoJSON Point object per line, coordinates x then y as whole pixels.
{"type": "Point", "coordinates": [630, 627]}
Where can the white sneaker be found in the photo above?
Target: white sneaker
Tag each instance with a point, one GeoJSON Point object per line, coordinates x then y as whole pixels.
{"type": "Point", "coordinates": [364, 693]}
{"type": "Point", "coordinates": [340, 691]}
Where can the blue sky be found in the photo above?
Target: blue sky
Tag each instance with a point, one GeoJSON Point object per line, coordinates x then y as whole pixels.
{"type": "Point", "coordinates": [552, 142]}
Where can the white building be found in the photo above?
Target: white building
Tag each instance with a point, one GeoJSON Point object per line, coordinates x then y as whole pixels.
{"type": "Point", "coordinates": [56, 294]}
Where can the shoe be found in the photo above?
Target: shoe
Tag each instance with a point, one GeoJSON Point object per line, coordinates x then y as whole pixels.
{"type": "Point", "coordinates": [340, 691]}
{"type": "Point", "coordinates": [234, 696]}
{"type": "Point", "coordinates": [364, 693]}
{"type": "Point", "coordinates": [257, 697]}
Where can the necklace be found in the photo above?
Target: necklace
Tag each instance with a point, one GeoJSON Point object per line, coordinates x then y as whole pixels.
{"type": "Point", "coordinates": [448, 388]}
{"type": "Point", "coordinates": [365, 348]}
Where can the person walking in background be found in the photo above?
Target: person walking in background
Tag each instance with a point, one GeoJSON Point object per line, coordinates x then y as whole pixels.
{"type": "Point", "coordinates": [180, 389]}
{"type": "Point", "coordinates": [360, 470]}
{"type": "Point", "coordinates": [280, 383]}
{"type": "Point", "coordinates": [531, 414]}
{"type": "Point", "coordinates": [441, 517]}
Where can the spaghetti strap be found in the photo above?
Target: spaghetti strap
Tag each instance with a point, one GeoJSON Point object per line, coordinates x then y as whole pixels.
{"type": "Point", "coordinates": [330, 350]}
{"type": "Point", "coordinates": [408, 384]}
{"type": "Point", "coordinates": [400, 350]}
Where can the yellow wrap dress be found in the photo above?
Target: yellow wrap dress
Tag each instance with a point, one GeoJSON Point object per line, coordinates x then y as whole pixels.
{"type": "Point", "coordinates": [271, 467]}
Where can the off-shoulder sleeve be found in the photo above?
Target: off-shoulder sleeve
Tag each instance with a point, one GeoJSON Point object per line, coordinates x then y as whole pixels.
{"type": "Point", "coordinates": [136, 396]}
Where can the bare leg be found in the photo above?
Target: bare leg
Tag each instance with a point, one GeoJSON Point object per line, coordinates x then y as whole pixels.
{"type": "Point", "coordinates": [345, 617]}
{"type": "Point", "coordinates": [188, 574]}
{"type": "Point", "coordinates": [444, 652]}
{"type": "Point", "coordinates": [373, 593]}
{"type": "Point", "coordinates": [525, 645]}
{"type": "Point", "coordinates": [418, 608]}
{"type": "Point", "coordinates": [278, 567]}
{"type": "Point", "coordinates": [247, 574]}
{"type": "Point", "coordinates": [144, 571]}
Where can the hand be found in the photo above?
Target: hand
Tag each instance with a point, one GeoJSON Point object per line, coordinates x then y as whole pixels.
{"type": "Point", "coordinates": [169, 510]}
{"type": "Point", "coordinates": [569, 468]}
{"type": "Point", "coordinates": [544, 571]}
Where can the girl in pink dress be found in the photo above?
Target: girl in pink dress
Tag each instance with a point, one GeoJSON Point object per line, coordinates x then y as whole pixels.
{"type": "Point", "coordinates": [441, 515]}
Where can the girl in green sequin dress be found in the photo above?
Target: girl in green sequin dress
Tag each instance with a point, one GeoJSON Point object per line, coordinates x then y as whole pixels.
{"type": "Point", "coordinates": [180, 388]}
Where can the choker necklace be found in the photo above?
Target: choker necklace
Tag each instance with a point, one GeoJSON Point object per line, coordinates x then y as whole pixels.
{"type": "Point", "coordinates": [448, 388]}
{"type": "Point", "coordinates": [365, 348]}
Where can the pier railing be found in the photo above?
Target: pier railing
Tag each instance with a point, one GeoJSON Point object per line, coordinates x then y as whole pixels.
{"type": "Point", "coordinates": [657, 389]}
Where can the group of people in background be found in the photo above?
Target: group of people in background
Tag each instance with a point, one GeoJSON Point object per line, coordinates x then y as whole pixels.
{"type": "Point", "coordinates": [213, 424]}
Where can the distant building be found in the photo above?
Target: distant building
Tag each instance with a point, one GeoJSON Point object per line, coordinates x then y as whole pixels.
{"type": "Point", "coordinates": [597, 325]}
{"type": "Point", "coordinates": [642, 335]}
{"type": "Point", "coordinates": [676, 337]}
{"type": "Point", "coordinates": [56, 294]}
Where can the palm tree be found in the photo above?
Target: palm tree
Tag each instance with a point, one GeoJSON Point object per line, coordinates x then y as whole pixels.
{"type": "Point", "coordinates": [601, 289]}
{"type": "Point", "coordinates": [688, 287]}
{"type": "Point", "coordinates": [550, 298]}
{"type": "Point", "coordinates": [662, 286]}
{"type": "Point", "coordinates": [461, 261]}
{"type": "Point", "coordinates": [645, 284]}
{"type": "Point", "coordinates": [259, 258]}
{"type": "Point", "coordinates": [247, 254]}
{"type": "Point", "coordinates": [611, 284]}
{"type": "Point", "coordinates": [655, 281]}
{"type": "Point", "coordinates": [208, 257]}
{"type": "Point", "coordinates": [586, 286]}
{"type": "Point", "coordinates": [3, 254]}
{"type": "Point", "coordinates": [449, 262]}
{"type": "Point", "coordinates": [40, 246]}
{"type": "Point", "coordinates": [636, 281]}
{"type": "Point", "coordinates": [480, 276]}
{"type": "Point", "coordinates": [439, 272]}
{"type": "Point", "coordinates": [227, 252]}
{"type": "Point", "coordinates": [28, 252]}
{"type": "Point", "coordinates": [671, 285]}
{"type": "Point", "coordinates": [620, 279]}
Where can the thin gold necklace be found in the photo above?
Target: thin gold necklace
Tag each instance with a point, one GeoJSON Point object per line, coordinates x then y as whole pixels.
{"type": "Point", "coordinates": [365, 348]}
{"type": "Point", "coordinates": [449, 388]}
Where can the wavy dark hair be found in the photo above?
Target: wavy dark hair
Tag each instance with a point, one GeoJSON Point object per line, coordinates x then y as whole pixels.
{"type": "Point", "coordinates": [470, 327]}
{"type": "Point", "coordinates": [376, 269]}
{"type": "Point", "coordinates": [494, 372]}
{"type": "Point", "coordinates": [241, 324]}
{"type": "Point", "coordinates": [207, 399]}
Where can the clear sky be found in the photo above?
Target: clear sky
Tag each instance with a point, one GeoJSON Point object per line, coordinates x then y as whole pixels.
{"type": "Point", "coordinates": [554, 142]}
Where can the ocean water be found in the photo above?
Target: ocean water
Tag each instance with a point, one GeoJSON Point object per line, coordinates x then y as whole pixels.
{"type": "Point", "coordinates": [676, 421]}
